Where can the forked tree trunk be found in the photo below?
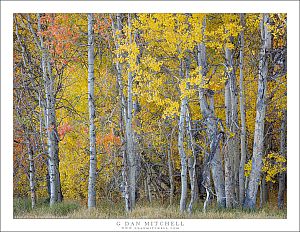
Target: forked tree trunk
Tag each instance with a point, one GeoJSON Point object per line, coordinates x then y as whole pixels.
{"type": "Point", "coordinates": [250, 201]}
{"type": "Point", "coordinates": [91, 100]}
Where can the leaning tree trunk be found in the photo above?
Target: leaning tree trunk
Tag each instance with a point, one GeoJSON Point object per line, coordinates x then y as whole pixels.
{"type": "Point", "coordinates": [283, 146]}
{"type": "Point", "coordinates": [250, 200]}
{"type": "Point", "coordinates": [91, 101]}
{"type": "Point", "coordinates": [243, 117]}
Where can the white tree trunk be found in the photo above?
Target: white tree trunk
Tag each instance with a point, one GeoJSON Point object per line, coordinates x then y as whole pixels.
{"type": "Point", "coordinates": [54, 128]}
{"type": "Point", "coordinates": [50, 119]}
{"type": "Point", "coordinates": [243, 117]}
{"type": "Point", "coordinates": [214, 160]}
{"type": "Point", "coordinates": [258, 145]}
{"type": "Point", "coordinates": [91, 102]}
{"type": "Point", "coordinates": [192, 164]}
{"type": "Point", "coordinates": [129, 134]}
{"type": "Point", "coordinates": [123, 113]}
{"type": "Point", "coordinates": [181, 132]}
{"type": "Point", "coordinates": [31, 174]}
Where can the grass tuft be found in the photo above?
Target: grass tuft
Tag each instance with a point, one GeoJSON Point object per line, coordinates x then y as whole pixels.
{"type": "Point", "coordinates": [22, 209]}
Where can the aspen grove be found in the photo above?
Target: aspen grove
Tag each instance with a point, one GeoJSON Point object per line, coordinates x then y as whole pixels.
{"type": "Point", "coordinates": [181, 109]}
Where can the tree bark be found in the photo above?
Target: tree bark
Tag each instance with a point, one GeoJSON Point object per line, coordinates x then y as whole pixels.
{"type": "Point", "coordinates": [91, 102]}
{"type": "Point", "coordinates": [228, 150]}
{"type": "Point", "coordinates": [56, 138]}
{"type": "Point", "coordinates": [250, 200]}
{"type": "Point", "coordinates": [233, 124]}
{"type": "Point", "coordinates": [214, 160]}
{"type": "Point", "coordinates": [182, 154]}
{"type": "Point", "coordinates": [181, 135]}
{"type": "Point", "coordinates": [31, 174]}
{"type": "Point", "coordinates": [243, 117]}
{"type": "Point", "coordinates": [192, 160]}
{"type": "Point", "coordinates": [123, 114]}
{"type": "Point", "coordinates": [129, 133]}
{"type": "Point", "coordinates": [50, 119]}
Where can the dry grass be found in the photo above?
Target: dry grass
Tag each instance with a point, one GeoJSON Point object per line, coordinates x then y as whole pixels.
{"type": "Point", "coordinates": [71, 209]}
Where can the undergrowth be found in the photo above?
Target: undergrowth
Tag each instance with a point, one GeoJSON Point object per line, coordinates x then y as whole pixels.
{"type": "Point", "coordinates": [143, 210]}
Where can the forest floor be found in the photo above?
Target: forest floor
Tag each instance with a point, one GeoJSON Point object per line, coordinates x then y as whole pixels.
{"type": "Point", "coordinates": [155, 210]}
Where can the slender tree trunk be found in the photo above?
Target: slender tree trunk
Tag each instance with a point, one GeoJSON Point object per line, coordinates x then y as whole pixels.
{"type": "Point", "coordinates": [58, 182]}
{"type": "Point", "coordinates": [181, 133]}
{"type": "Point", "coordinates": [91, 100]}
{"type": "Point", "coordinates": [129, 133]}
{"type": "Point", "coordinates": [123, 113]}
{"type": "Point", "coordinates": [263, 191]}
{"type": "Point", "coordinates": [170, 169]}
{"type": "Point", "coordinates": [125, 182]}
{"type": "Point", "coordinates": [243, 117]}
{"type": "Point", "coordinates": [192, 164]}
{"type": "Point", "coordinates": [42, 108]}
{"type": "Point", "coordinates": [282, 176]}
{"type": "Point", "coordinates": [50, 119]}
{"type": "Point", "coordinates": [31, 175]}
{"type": "Point", "coordinates": [250, 201]}
{"type": "Point", "coordinates": [137, 139]}
{"type": "Point", "coordinates": [206, 180]}
{"type": "Point", "coordinates": [191, 160]}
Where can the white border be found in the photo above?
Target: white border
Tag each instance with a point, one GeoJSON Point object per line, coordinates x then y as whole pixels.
{"type": "Point", "coordinates": [9, 7]}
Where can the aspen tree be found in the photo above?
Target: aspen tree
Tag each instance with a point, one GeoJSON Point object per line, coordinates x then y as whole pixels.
{"type": "Point", "coordinates": [91, 102]}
